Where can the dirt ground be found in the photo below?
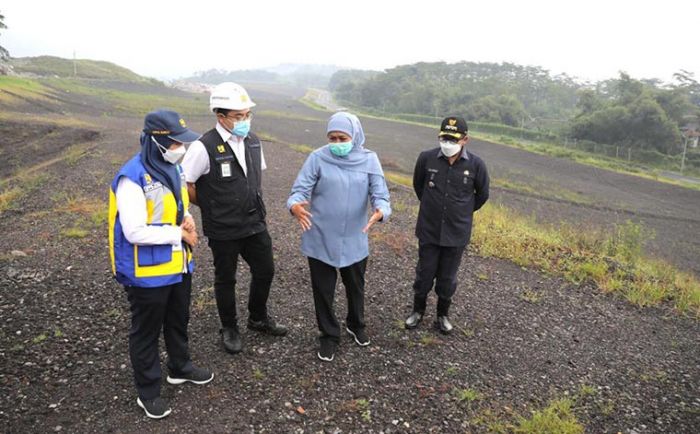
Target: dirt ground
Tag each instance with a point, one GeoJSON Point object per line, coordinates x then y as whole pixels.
{"type": "Point", "coordinates": [64, 363]}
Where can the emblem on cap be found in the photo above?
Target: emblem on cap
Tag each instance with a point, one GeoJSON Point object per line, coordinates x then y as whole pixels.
{"type": "Point", "coordinates": [244, 98]}
{"type": "Point", "coordinates": [182, 123]}
{"type": "Point", "coordinates": [452, 122]}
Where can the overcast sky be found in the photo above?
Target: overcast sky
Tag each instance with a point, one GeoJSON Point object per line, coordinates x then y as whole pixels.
{"type": "Point", "coordinates": [591, 40]}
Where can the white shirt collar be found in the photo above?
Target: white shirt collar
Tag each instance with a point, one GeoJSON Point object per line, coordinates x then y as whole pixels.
{"type": "Point", "coordinates": [226, 135]}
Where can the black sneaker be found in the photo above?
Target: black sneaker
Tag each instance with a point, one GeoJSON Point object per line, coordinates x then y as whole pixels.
{"type": "Point", "coordinates": [268, 325]}
{"type": "Point", "coordinates": [197, 376]}
{"type": "Point", "coordinates": [413, 320]}
{"type": "Point", "coordinates": [155, 408]}
{"type": "Point", "coordinates": [327, 350]}
{"type": "Point", "coordinates": [231, 339]}
{"type": "Point", "coordinates": [360, 336]}
{"type": "Point", "coordinates": [444, 325]}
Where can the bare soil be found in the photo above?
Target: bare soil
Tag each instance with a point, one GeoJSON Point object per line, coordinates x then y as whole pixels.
{"type": "Point", "coordinates": [63, 343]}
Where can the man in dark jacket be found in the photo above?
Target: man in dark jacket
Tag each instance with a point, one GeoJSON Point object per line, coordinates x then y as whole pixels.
{"type": "Point", "coordinates": [451, 183]}
{"type": "Point", "coordinates": [223, 170]}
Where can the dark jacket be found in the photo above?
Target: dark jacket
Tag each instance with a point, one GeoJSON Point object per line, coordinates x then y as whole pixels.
{"type": "Point", "coordinates": [448, 195]}
{"type": "Point", "coordinates": [231, 202]}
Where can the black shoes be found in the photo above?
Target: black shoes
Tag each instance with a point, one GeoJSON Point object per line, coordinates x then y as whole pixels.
{"type": "Point", "coordinates": [197, 376]}
{"type": "Point", "coordinates": [413, 320]}
{"type": "Point", "coordinates": [268, 325]}
{"type": "Point", "coordinates": [231, 339]}
{"type": "Point", "coordinates": [155, 408]}
{"type": "Point", "coordinates": [360, 336]}
{"type": "Point", "coordinates": [444, 325]}
{"type": "Point", "coordinates": [327, 350]}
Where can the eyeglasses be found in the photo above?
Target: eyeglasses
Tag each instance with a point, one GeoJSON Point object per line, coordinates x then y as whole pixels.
{"type": "Point", "coordinates": [239, 117]}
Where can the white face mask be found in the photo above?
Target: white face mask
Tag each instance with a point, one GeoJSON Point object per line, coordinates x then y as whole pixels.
{"type": "Point", "coordinates": [449, 148]}
{"type": "Point", "coordinates": [172, 156]}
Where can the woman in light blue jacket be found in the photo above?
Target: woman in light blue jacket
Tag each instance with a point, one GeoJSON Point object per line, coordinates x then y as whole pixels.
{"type": "Point", "coordinates": [339, 182]}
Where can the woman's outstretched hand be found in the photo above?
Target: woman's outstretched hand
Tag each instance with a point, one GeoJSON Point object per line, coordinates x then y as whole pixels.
{"type": "Point", "coordinates": [302, 215]}
{"type": "Point", "coordinates": [377, 216]}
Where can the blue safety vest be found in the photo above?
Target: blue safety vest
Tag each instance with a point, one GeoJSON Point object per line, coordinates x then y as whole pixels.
{"type": "Point", "coordinates": [153, 265]}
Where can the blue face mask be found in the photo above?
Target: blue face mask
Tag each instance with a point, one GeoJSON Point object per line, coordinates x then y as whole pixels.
{"type": "Point", "coordinates": [241, 129]}
{"type": "Point", "coordinates": [340, 149]}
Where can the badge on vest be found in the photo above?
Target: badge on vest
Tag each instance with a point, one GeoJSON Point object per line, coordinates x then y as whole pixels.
{"type": "Point", "coordinates": [226, 169]}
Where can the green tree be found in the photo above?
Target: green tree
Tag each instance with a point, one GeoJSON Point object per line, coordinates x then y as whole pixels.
{"type": "Point", "coordinates": [4, 54]}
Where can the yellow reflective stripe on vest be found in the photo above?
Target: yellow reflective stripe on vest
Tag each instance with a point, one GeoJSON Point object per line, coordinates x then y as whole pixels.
{"type": "Point", "coordinates": [161, 209]}
{"type": "Point", "coordinates": [112, 221]}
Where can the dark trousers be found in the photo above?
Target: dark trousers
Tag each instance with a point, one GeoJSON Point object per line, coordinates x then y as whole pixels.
{"type": "Point", "coordinates": [152, 308]}
{"type": "Point", "coordinates": [439, 265]}
{"type": "Point", "coordinates": [323, 280]}
{"type": "Point", "coordinates": [256, 250]}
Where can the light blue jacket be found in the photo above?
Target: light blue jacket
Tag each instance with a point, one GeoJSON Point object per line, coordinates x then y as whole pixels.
{"type": "Point", "coordinates": [340, 199]}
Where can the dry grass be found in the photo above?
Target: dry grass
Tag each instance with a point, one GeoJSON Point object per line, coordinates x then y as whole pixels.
{"type": "Point", "coordinates": [615, 262]}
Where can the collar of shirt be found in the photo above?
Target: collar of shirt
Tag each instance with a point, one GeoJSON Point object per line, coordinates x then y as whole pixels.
{"type": "Point", "coordinates": [227, 136]}
{"type": "Point", "coordinates": [464, 156]}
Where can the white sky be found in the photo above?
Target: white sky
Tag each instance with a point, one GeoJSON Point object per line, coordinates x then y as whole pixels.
{"type": "Point", "coordinates": [166, 39]}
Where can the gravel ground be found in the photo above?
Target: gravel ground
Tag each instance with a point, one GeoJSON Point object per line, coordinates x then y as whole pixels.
{"type": "Point", "coordinates": [522, 338]}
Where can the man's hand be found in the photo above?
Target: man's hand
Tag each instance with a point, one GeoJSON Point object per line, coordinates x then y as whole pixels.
{"type": "Point", "coordinates": [302, 215]}
{"type": "Point", "coordinates": [188, 224]}
{"type": "Point", "coordinates": [378, 215]}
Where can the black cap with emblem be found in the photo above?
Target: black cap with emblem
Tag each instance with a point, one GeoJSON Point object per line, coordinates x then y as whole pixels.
{"type": "Point", "coordinates": [453, 126]}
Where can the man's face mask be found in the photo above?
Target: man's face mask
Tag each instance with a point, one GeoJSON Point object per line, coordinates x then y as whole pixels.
{"type": "Point", "coordinates": [449, 148]}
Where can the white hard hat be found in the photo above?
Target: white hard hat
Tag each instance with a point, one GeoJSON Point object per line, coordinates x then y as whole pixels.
{"type": "Point", "coordinates": [229, 96]}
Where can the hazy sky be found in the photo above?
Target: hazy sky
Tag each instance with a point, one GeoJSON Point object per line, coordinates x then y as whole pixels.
{"type": "Point", "coordinates": [165, 39]}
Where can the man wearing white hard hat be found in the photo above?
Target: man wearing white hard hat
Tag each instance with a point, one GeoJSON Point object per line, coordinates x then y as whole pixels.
{"type": "Point", "coordinates": [223, 170]}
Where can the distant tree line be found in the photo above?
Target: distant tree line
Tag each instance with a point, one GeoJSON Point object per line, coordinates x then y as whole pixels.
{"type": "Point", "coordinates": [646, 114]}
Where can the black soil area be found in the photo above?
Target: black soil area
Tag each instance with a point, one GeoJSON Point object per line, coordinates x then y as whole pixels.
{"type": "Point", "coordinates": [28, 144]}
{"type": "Point", "coordinates": [522, 338]}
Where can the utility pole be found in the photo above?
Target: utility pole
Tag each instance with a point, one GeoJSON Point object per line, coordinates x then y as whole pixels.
{"type": "Point", "coordinates": [685, 148]}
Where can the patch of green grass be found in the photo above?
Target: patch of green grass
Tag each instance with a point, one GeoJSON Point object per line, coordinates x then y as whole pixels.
{"type": "Point", "coordinates": [542, 189]}
{"type": "Point", "coordinates": [556, 418]}
{"type": "Point", "coordinates": [114, 313]}
{"type": "Point", "coordinates": [304, 149]}
{"type": "Point", "coordinates": [399, 178]}
{"type": "Point", "coordinates": [615, 262]}
{"type": "Point", "coordinates": [468, 395]}
{"type": "Point", "coordinates": [85, 68]}
{"type": "Point", "coordinates": [9, 198]}
{"type": "Point", "coordinates": [427, 340]}
{"type": "Point", "coordinates": [74, 232]}
{"type": "Point", "coordinates": [266, 137]}
{"type": "Point", "coordinates": [138, 103]}
{"type": "Point", "coordinates": [309, 100]}
{"type": "Point", "coordinates": [530, 296]}
{"type": "Point", "coordinates": [587, 390]}
{"type": "Point", "coordinates": [11, 195]}
{"type": "Point", "coordinates": [258, 374]}
{"type": "Point", "coordinates": [363, 408]}
{"type": "Point", "coordinates": [589, 159]}
{"type": "Point", "coordinates": [451, 370]}
{"type": "Point", "coordinates": [57, 333]}
{"type": "Point", "coordinates": [40, 338]}
{"type": "Point", "coordinates": [285, 115]}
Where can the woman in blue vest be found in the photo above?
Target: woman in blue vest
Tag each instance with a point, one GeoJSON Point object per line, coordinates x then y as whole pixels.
{"type": "Point", "coordinates": [340, 181]}
{"type": "Point", "coordinates": [151, 237]}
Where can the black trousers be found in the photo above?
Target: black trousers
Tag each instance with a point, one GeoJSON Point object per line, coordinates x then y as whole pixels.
{"type": "Point", "coordinates": [323, 280]}
{"type": "Point", "coordinates": [439, 265]}
{"type": "Point", "coordinates": [152, 308]}
{"type": "Point", "coordinates": [256, 250]}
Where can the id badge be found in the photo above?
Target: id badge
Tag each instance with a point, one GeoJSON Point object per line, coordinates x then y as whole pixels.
{"type": "Point", "coordinates": [226, 169]}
